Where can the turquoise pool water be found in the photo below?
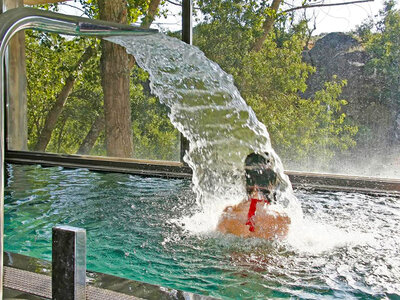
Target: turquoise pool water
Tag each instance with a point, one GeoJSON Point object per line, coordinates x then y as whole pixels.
{"type": "Point", "coordinates": [347, 247]}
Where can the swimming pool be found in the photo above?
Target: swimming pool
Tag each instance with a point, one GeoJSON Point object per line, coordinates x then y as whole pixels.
{"type": "Point", "coordinates": [347, 247]}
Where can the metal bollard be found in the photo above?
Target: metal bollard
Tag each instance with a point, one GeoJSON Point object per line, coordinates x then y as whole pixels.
{"type": "Point", "coordinates": [69, 263]}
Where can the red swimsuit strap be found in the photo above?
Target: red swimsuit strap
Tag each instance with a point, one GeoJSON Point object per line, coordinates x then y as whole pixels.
{"type": "Point", "coordinates": [252, 211]}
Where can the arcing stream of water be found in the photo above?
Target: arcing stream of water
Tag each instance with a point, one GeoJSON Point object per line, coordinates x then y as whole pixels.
{"type": "Point", "coordinates": [206, 107]}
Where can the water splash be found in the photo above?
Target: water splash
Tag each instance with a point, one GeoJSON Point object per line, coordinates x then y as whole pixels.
{"type": "Point", "coordinates": [315, 237]}
{"type": "Point", "coordinates": [206, 107]}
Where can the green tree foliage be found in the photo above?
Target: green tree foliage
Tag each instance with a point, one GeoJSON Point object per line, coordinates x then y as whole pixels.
{"type": "Point", "coordinates": [272, 79]}
{"type": "Point", "coordinates": [300, 129]}
{"type": "Point", "coordinates": [49, 59]}
{"type": "Point", "coordinates": [154, 137]}
{"type": "Point", "coordinates": [381, 41]}
{"type": "Point", "coordinates": [90, 8]}
{"type": "Point", "coordinates": [384, 48]}
{"type": "Point", "coordinates": [136, 9]}
{"type": "Point", "coordinates": [228, 30]}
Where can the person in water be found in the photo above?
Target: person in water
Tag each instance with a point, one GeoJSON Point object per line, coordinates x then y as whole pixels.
{"type": "Point", "coordinates": [253, 217]}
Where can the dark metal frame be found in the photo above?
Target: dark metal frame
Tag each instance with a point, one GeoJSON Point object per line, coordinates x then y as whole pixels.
{"type": "Point", "coordinates": [187, 37]}
{"type": "Point", "coordinates": [103, 164]}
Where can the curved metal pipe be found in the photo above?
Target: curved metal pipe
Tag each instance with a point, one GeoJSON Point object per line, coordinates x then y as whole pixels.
{"type": "Point", "coordinates": [59, 23]}
{"type": "Point", "coordinates": [19, 19]}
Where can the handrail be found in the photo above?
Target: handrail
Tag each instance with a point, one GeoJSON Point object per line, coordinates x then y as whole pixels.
{"type": "Point", "coordinates": [22, 18]}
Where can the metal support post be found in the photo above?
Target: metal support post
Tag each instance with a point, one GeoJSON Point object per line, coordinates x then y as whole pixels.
{"type": "Point", "coordinates": [187, 37]}
{"type": "Point", "coordinates": [69, 263]}
{"type": "Point", "coordinates": [187, 27]}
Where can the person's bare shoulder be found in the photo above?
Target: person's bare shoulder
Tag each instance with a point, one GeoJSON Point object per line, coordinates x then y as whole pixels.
{"type": "Point", "coordinates": [271, 224]}
{"type": "Point", "coordinates": [233, 218]}
{"type": "Point", "coordinates": [268, 225]}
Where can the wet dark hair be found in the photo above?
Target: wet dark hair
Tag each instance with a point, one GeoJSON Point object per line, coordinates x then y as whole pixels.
{"type": "Point", "coordinates": [258, 172]}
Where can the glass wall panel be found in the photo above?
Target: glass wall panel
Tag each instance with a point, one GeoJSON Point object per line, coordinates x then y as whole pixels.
{"type": "Point", "coordinates": [328, 94]}
{"type": "Point", "coordinates": [64, 110]}
{"type": "Point", "coordinates": [329, 98]}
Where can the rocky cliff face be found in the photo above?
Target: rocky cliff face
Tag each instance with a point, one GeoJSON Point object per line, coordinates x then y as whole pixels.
{"type": "Point", "coordinates": [379, 123]}
{"type": "Point", "coordinates": [341, 55]}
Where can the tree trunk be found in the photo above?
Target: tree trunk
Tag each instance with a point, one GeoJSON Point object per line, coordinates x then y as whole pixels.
{"type": "Point", "coordinates": [54, 113]}
{"type": "Point", "coordinates": [267, 25]}
{"type": "Point", "coordinates": [151, 12]}
{"type": "Point", "coordinates": [115, 82]}
{"type": "Point", "coordinates": [61, 134]}
{"type": "Point", "coordinates": [91, 137]}
{"type": "Point", "coordinates": [17, 121]}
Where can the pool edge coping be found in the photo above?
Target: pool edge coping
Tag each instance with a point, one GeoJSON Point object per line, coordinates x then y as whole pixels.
{"type": "Point", "coordinates": [154, 168]}
{"type": "Point", "coordinates": [134, 288]}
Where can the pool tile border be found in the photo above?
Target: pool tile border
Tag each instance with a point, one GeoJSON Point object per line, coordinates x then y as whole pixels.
{"type": "Point", "coordinates": [96, 280]}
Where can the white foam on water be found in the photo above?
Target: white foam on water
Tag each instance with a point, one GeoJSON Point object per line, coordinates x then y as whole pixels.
{"type": "Point", "coordinates": [313, 237]}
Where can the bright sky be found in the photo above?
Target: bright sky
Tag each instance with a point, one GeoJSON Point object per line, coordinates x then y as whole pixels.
{"type": "Point", "coordinates": [328, 19]}
{"type": "Point", "coordinates": [344, 18]}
